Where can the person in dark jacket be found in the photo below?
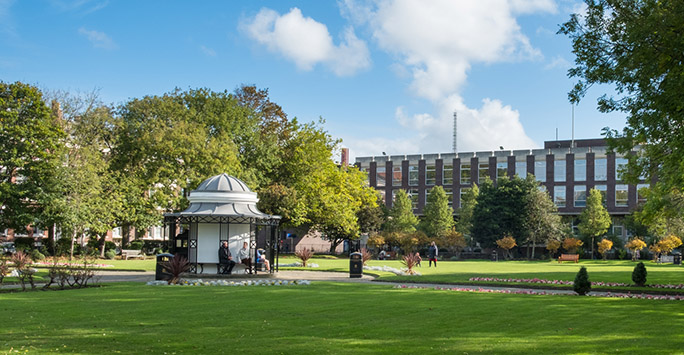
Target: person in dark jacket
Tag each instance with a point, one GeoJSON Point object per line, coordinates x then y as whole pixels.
{"type": "Point", "coordinates": [432, 254]}
{"type": "Point", "coordinates": [226, 262]}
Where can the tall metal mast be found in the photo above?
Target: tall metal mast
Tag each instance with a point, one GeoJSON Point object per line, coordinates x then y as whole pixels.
{"type": "Point", "coordinates": [455, 145]}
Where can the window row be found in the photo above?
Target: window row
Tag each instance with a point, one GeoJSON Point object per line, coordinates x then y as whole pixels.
{"type": "Point", "coordinates": [482, 169]}
{"type": "Point", "coordinates": [580, 195]}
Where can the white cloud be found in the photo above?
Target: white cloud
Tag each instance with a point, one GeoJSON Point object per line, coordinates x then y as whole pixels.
{"type": "Point", "coordinates": [437, 42]}
{"type": "Point", "coordinates": [83, 7]}
{"type": "Point", "coordinates": [98, 39]}
{"type": "Point", "coordinates": [209, 52]}
{"type": "Point", "coordinates": [307, 42]}
{"type": "Point", "coordinates": [6, 21]}
{"type": "Point", "coordinates": [558, 62]}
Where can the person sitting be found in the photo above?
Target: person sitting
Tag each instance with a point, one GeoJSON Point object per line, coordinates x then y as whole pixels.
{"type": "Point", "coordinates": [243, 257]}
{"type": "Point", "coordinates": [261, 259]}
{"type": "Point", "coordinates": [226, 262]}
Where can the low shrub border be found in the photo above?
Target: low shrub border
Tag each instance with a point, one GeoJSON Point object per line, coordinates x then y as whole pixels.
{"type": "Point", "coordinates": [570, 283]}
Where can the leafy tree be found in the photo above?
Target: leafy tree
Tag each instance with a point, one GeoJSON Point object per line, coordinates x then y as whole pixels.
{"type": "Point", "coordinates": [552, 245]}
{"type": "Point", "coordinates": [401, 217]}
{"type": "Point", "coordinates": [594, 220]}
{"type": "Point", "coordinates": [31, 149]}
{"type": "Point", "coordinates": [571, 244]}
{"type": "Point", "coordinates": [371, 218]}
{"type": "Point", "coordinates": [542, 221]}
{"type": "Point", "coordinates": [604, 246]}
{"type": "Point", "coordinates": [663, 213]}
{"type": "Point", "coordinates": [636, 47]}
{"type": "Point", "coordinates": [464, 223]}
{"type": "Point", "coordinates": [500, 209]}
{"type": "Point", "coordinates": [635, 244]}
{"type": "Point", "coordinates": [507, 243]}
{"type": "Point", "coordinates": [453, 241]}
{"type": "Point", "coordinates": [438, 217]}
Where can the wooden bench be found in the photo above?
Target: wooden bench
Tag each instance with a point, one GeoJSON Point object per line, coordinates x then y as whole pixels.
{"type": "Point", "coordinates": [127, 253]}
{"type": "Point", "coordinates": [569, 257]}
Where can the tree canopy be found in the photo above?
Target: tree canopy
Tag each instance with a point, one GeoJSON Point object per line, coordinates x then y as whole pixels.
{"type": "Point", "coordinates": [438, 217]}
{"type": "Point", "coordinates": [636, 47]}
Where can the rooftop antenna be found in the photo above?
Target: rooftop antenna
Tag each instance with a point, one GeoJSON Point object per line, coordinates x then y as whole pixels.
{"type": "Point", "coordinates": [455, 145]}
{"type": "Point", "coordinates": [572, 143]}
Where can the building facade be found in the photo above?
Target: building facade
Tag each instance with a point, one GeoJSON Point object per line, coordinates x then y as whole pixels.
{"type": "Point", "coordinates": [567, 170]}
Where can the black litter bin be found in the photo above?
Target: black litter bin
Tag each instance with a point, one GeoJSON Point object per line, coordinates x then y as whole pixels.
{"type": "Point", "coordinates": [677, 259]}
{"type": "Point", "coordinates": [495, 256]}
{"type": "Point", "coordinates": [162, 273]}
{"type": "Point", "coordinates": [355, 265]}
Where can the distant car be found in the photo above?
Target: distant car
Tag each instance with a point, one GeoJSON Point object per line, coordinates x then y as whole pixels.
{"type": "Point", "coordinates": [7, 248]}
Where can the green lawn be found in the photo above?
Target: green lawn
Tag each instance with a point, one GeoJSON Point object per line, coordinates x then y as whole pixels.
{"type": "Point", "coordinates": [461, 271]}
{"type": "Point", "coordinates": [332, 318]}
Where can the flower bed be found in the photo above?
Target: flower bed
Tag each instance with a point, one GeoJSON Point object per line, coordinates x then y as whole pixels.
{"type": "Point", "coordinates": [533, 292]}
{"type": "Point", "coordinates": [569, 283]}
{"type": "Point", "coordinates": [42, 263]}
{"type": "Point", "coordinates": [395, 271]}
{"type": "Point", "coordinates": [200, 282]}
{"type": "Point", "coordinates": [298, 264]}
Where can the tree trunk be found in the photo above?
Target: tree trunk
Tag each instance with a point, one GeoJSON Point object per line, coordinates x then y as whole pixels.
{"type": "Point", "coordinates": [103, 243]}
{"type": "Point", "coordinates": [125, 232]}
{"type": "Point", "coordinates": [534, 244]}
{"type": "Point", "coordinates": [71, 251]}
{"type": "Point", "coordinates": [51, 240]}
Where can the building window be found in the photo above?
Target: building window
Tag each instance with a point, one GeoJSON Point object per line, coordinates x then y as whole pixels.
{"type": "Point", "coordinates": [621, 195]}
{"type": "Point", "coordinates": [540, 170]}
{"type": "Point", "coordinates": [430, 176]}
{"type": "Point", "coordinates": [601, 169]}
{"type": "Point", "coordinates": [642, 191]}
{"type": "Point", "coordinates": [450, 195]}
{"type": "Point", "coordinates": [483, 172]}
{"type": "Point", "coordinates": [618, 227]}
{"type": "Point", "coordinates": [413, 194]}
{"type": "Point", "coordinates": [465, 174]}
{"type": "Point", "coordinates": [413, 175]}
{"type": "Point", "coordinates": [580, 170]}
{"type": "Point", "coordinates": [602, 189]}
{"type": "Point", "coordinates": [396, 176]}
{"type": "Point", "coordinates": [620, 167]}
{"type": "Point", "coordinates": [501, 170]}
{"type": "Point", "coordinates": [559, 170]}
{"type": "Point", "coordinates": [380, 176]}
{"type": "Point", "coordinates": [464, 191]}
{"type": "Point", "coordinates": [448, 175]}
{"type": "Point", "coordinates": [580, 196]}
{"type": "Point", "coordinates": [521, 169]}
{"type": "Point", "coordinates": [559, 196]}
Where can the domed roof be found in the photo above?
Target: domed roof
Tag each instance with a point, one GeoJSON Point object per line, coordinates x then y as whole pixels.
{"type": "Point", "coordinates": [223, 183]}
{"type": "Point", "coordinates": [224, 195]}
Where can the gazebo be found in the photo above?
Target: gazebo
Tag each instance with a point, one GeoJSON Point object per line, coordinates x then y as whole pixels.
{"type": "Point", "coordinates": [221, 209]}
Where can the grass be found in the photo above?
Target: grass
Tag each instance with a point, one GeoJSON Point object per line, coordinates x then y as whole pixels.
{"type": "Point", "coordinates": [459, 272]}
{"type": "Point", "coordinates": [331, 318]}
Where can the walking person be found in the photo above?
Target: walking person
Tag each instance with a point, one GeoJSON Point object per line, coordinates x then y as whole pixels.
{"type": "Point", "coordinates": [433, 251]}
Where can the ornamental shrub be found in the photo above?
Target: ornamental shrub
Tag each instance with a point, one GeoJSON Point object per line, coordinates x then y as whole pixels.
{"type": "Point", "coordinates": [110, 254]}
{"type": "Point", "coordinates": [639, 274]}
{"type": "Point", "coordinates": [135, 245]}
{"type": "Point", "coordinates": [37, 255]}
{"type": "Point", "coordinates": [304, 255]}
{"type": "Point", "coordinates": [604, 246]}
{"type": "Point", "coordinates": [582, 284]}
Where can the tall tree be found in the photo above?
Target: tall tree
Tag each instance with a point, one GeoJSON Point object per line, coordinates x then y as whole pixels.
{"type": "Point", "coordinates": [464, 223]}
{"type": "Point", "coordinates": [542, 220]}
{"type": "Point", "coordinates": [401, 218]}
{"type": "Point", "coordinates": [636, 47]}
{"type": "Point", "coordinates": [438, 217]}
{"type": "Point", "coordinates": [31, 149]}
{"type": "Point", "coordinates": [594, 220]}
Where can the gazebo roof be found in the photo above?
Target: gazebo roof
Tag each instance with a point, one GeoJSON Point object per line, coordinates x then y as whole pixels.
{"type": "Point", "coordinates": [224, 196]}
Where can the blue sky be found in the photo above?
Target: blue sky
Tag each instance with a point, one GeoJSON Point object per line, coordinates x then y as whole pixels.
{"type": "Point", "coordinates": [385, 75]}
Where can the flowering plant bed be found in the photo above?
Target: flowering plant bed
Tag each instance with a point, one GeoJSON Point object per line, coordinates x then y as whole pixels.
{"type": "Point", "coordinates": [200, 282]}
{"type": "Point", "coordinates": [554, 283]}
{"type": "Point", "coordinates": [541, 292]}
{"type": "Point", "coordinates": [45, 264]}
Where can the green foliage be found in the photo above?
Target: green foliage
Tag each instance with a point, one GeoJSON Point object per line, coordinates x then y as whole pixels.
{"type": "Point", "coordinates": [500, 209]}
{"type": "Point", "coordinates": [582, 285]}
{"type": "Point", "coordinates": [438, 217]}
{"type": "Point", "coordinates": [24, 243]}
{"type": "Point", "coordinates": [36, 255]}
{"type": "Point", "coordinates": [401, 217]}
{"type": "Point", "coordinates": [135, 245]}
{"type": "Point", "coordinates": [464, 223]}
{"type": "Point", "coordinates": [542, 221]}
{"type": "Point", "coordinates": [635, 46]}
{"type": "Point", "coordinates": [110, 255]}
{"type": "Point", "coordinates": [594, 220]}
{"type": "Point", "coordinates": [639, 274]}
{"type": "Point", "coordinates": [31, 146]}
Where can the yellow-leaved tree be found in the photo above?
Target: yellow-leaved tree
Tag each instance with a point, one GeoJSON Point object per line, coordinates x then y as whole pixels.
{"type": "Point", "coordinates": [604, 246]}
{"type": "Point", "coordinates": [507, 243]}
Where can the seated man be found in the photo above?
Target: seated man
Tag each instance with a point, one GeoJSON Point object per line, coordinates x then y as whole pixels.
{"type": "Point", "coordinates": [243, 256]}
{"type": "Point", "coordinates": [226, 262]}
